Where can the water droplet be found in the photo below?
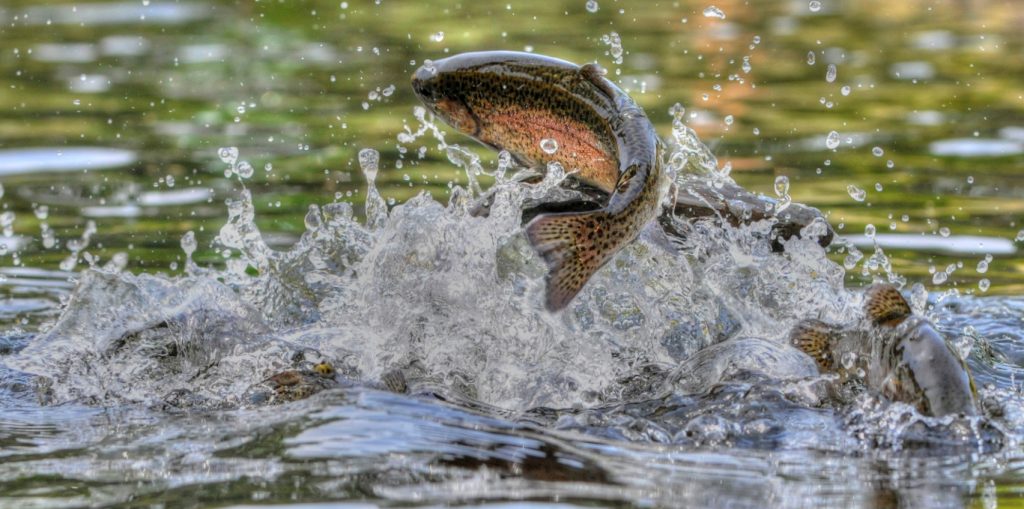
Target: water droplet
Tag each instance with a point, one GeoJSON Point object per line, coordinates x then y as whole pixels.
{"type": "Point", "coordinates": [939, 277]}
{"type": "Point", "coordinates": [830, 73]}
{"type": "Point", "coordinates": [713, 12]}
{"type": "Point", "coordinates": [549, 146]}
{"type": "Point", "coordinates": [1020, 236]}
{"type": "Point", "coordinates": [244, 169]}
{"type": "Point", "coordinates": [869, 231]}
{"type": "Point", "coordinates": [856, 193]}
{"type": "Point", "coordinates": [728, 120]}
{"type": "Point", "coordinates": [944, 231]}
{"type": "Point", "coordinates": [368, 162]}
{"type": "Point", "coordinates": [228, 154]}
{"type": "Point", "coordinates": [592, 6]}
{"type": "Point", "coordinates": [849, 360]}
{"type": "Point", "coordinates": [810, 58]}
{"type": "Point", "coordinates": [814, 6]}
{"type": "Point", "coordinates": [983, 265]}
{"type": "Point", "coordinates": [781, 185]}
{"type": "Point", "coordinates": [877, 152]}
{"type": "Point", "coordinates": [240, 109]}
{"type": "Point", "coordinates": [970, 179]}
{"type": "Point", "coordinates": [845, 90]}
{"type": "Point", "coordinates": [832, 140]}
{"type": "Point", "coordinates": [984, 284]}
{"type": "Point", "coordinates": [614, 43]}
{"type": "Point", "coordinates": [890, 164]}
{"type": "Point", "coordinates": [757, 132]}
{"type": "Point", "coordinates": [313, 219]}
{"type": "Point", "coordinates": [437, 36]}
{"type": "Point", "coordinates": [878, 186]}
{"type": "Point", "coordinates": [188, 243]}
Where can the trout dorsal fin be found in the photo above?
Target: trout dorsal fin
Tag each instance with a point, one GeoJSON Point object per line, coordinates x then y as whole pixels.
{"type": "Point", "coordinates": [885, 305]}
{"type": "Point", "coordinates": [574, 246]}
{"type": "Point", "coordinates": [594, 73]}
{"type": "Point", "coordinates": [814, 338]}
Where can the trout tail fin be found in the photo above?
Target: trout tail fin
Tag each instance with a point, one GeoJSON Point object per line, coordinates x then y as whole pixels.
{"type": "Point", "coordinates": [815, 338]}
{"type": "Point", "coordinates": [885, 305]}
{"type": "Point", "coordinates": [574, 246]}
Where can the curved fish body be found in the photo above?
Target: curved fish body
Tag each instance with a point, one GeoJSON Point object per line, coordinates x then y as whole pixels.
{"type": "Point", "coordinates": [899, 354]}
{"type": "Point", "coordinates": [530, 104]}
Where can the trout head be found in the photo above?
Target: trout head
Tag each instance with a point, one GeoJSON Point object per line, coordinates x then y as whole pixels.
{"type": "Point", "coordinates": [442, 92]}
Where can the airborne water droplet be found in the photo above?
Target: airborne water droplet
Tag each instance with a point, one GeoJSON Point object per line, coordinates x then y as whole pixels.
{"type": "Point", "coordinates": [228, 154]}
{"type": "Point", "coordinates": [877, 151]}
{"type": "Point", "coordinates": [368, 161]}
{"type": "Point", "coordinates": [810, 58]}
{"type": "Point", "coordinates": [1020, 236]}
{"type": "Point", "coordinates": [869, 231]}
{"type": "Point", "coordinates": [856, 193]}
{"type": "Point", "coordinates": [592, 6]}
{"type": "Point", "coordinates": [830, 73]}
{"type": "Point", "coordinates": [244, 169]}
{"type": "Point", "coordinates": [713, 12]}
{"type": "Point", "coordinates": [984, 284]}
{"type": "Point", "coordinates": [832, 140]}
{"type": "Point", "coordinates": [814, 6]}
{"type": "Point", "coordinates": [549, 146]}
{"type": "Point", "coordinates": [188, 243]}
{"type": "Point", "coordinates": [944, 231]}
{"type": "Point", "coordinates": [781, 185]}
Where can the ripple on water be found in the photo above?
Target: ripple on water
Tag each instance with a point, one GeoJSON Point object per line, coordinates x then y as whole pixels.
{"type": "Point", "coordinates": [115, 13]}
{"type": "Point", "coordinates": [23, 161]}
{"type": "Point", "coordinates": [954, 244]}
{"type": "Point", "coordinates": [976, 147]}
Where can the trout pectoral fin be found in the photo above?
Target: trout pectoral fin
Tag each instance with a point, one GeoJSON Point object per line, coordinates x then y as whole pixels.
{"type": "Point", "coordinates": [885, 305]}
{"type": "Point", "coordinates": [815, 338]}
{"type": "Point", "coordinates": [574, 246]}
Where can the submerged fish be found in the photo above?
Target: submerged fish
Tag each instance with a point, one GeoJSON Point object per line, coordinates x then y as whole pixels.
{"type": "Point", "coordinates": [899, 354]}
{"type": "Point", "coordinates": [544, 110]}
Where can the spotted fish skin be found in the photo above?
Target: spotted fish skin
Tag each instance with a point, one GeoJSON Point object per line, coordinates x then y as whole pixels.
{"type": "Point", "coordinates": [512, 101]}
{"type": "Point", "coordinates": [902, 355]}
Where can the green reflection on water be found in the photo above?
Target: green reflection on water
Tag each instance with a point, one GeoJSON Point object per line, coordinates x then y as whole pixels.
{"type": "Point", "coordinates": [304, 73]}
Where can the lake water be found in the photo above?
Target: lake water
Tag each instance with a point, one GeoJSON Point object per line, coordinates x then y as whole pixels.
{"type": "Point", "coordinates": [185, 212]}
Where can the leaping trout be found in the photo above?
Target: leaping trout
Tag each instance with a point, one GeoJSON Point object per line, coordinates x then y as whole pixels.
{"type": "Point", "coordinates": [544, 110]}
{"type": "Point", "coordinates": [505, 99]}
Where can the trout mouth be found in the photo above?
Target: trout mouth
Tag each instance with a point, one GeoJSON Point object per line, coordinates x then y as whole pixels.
{"type": "Point", "coordinates": [445, 100]}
